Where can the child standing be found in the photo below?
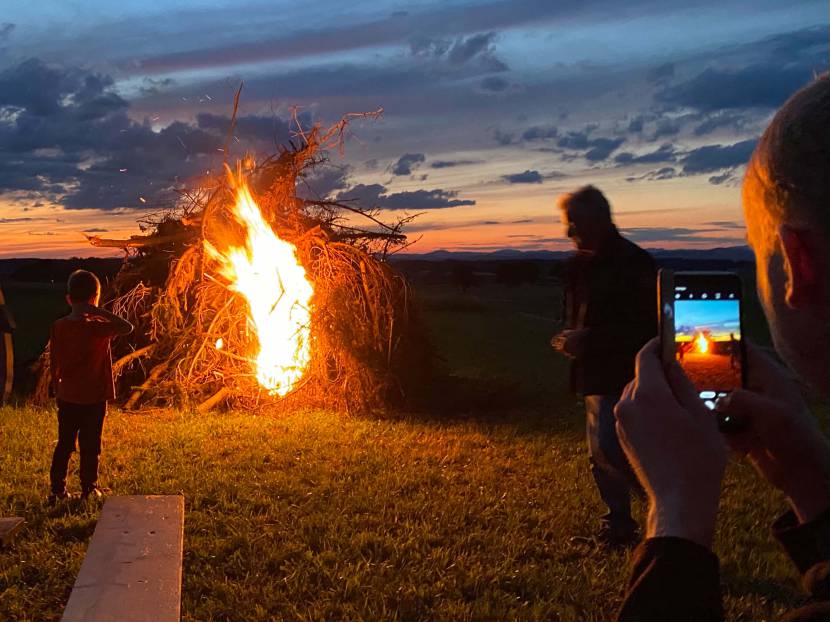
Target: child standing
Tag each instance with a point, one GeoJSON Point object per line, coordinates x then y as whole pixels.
{"type": "Point", "coordinates": [81, 367]}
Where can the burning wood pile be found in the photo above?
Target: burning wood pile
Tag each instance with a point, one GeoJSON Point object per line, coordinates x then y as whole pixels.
{"type": "Point", "coordinates": [247, 294]}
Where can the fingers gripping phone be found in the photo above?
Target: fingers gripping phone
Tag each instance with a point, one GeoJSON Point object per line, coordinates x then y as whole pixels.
{"type": "Point", "coordinates": [701, 327]}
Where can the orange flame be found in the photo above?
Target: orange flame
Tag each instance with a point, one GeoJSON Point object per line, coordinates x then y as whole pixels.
{"type": "Point", "coordinates": [266, 272]}
{"type": "Point", "coordinates": [702, 343]}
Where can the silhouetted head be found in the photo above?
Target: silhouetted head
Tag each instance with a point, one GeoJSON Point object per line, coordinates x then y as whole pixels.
{"type": "Point", "coordinates": [83, 286]}
{"type": "Point", "coordinates": [587, 216]}
{"type": "Point", "coordinates": [786, 200]}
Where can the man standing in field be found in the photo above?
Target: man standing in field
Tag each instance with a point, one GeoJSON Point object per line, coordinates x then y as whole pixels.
{"type": "Point", "coordinates": [610, 312]}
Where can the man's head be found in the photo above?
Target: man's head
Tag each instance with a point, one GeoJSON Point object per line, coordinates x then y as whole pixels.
{"type": "Point", "coordinates": [786, 200]}
{"type": "Point", "coordinates": [587, 216]}
{"type": "Point", "coordinates": [83, 287]}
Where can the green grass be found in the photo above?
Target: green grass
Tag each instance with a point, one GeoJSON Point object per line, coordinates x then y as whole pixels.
{"type": "Point", "coordinates": [317, 516]}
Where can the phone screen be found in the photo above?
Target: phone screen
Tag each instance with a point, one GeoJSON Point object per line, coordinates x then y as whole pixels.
{"type": "Point", "coordinates": [707, 339]}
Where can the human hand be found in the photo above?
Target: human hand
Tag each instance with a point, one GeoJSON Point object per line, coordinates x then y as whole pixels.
{"type": "Point", "coordinates": [781, 438]}
{"type": "Point", "coordinates": [570, 342]}
{"type": "Point", "coordinates": [672, 442]}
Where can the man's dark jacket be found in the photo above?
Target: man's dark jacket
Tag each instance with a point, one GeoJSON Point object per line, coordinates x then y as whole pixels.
{"type": "Point", "coordinates": [678, 580]}
{"type": "Point", "coordinates": [611, 292]}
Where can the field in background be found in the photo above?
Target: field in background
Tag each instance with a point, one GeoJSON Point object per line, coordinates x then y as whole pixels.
{"type": "Point", "coordinates": [466, 515]}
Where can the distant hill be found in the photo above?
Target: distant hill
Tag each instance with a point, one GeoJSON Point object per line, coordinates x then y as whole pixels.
{"type": "Point", "coordinates": [729, 253]}
{"type": "Point", "coordinates": [56, 270]}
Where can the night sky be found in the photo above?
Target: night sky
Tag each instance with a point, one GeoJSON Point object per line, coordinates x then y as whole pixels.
{"type": "Point", "coordinates": [491, 109]}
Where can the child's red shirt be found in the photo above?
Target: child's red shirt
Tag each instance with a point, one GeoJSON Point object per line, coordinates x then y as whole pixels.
{"type": "Point", "coordinates": [81, 360]}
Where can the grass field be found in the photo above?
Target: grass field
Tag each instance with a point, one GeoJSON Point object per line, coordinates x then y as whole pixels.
{"type": "Point", "coordinates": [317, 516]}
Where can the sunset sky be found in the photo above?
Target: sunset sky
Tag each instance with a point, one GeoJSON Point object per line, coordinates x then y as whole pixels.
{"type": "Point", "coordinates": [491, 109]}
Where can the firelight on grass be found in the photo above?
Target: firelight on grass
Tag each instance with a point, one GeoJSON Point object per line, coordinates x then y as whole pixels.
{"type": "Point", "coordinates": [266, 272]}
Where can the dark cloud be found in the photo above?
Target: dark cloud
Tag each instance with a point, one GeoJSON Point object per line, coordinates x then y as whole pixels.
{"type": "Point", "coordinates": [503, 138]}
{"type": "Point", "coordinates": [788, 63]}
{"type": "Point", "coordinates": [494, 84]}
{"type": "Point", "coordinates": [376, 195]}
{"type": "Point", "coordinates": [667, 172]}
{"type": "Point", "coordinates": [151, 86]}
{"type": "Point", "coordinates": [734, 121]}
{"type": "Point", "coordinates": [666, 153]}
{"type": "Point", "coordinates": [526, 177]}
{"type": "Point", "coordinates": [6, 29]}
{"type": "Point", "coordinates": [725, 224]}
{"type": "Point", "coordinates": [66, 136]}
{"type": "Point", "coordinates": [251, 127]}
{"type": "Point", "coordinates": [452, 163]}
{"type": "Point", "coordinates": [540, 132]}
{"type": "Point", "coordinates": [678, 234]}
{"type": "Point", "coordinates": [713, 158]}
{"type": "Point", "coordinates": [601, 148]}
{"type": "Point", "coordinates": [661, 73]}
{"type": "Point", "coordinates": [407, 162]}
{"type": "Point", "coordinates": [323, 181]}
{"type": "Point", "coordinates": [95, 230]}
{"type": "Point", "coordinates": [476, 49]}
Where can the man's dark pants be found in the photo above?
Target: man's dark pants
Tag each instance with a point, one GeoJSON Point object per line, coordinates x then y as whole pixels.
{"type": "Point", "coordinates": [609, 466]}
{"type": "Point", "coordinates": [83, 422]}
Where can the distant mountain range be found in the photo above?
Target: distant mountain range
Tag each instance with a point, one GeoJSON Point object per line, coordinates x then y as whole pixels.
{"type": "Point", "coordinates": [728, 253]}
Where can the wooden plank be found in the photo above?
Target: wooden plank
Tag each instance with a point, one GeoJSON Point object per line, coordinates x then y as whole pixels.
{"type": "Point", "coordinates": [9, 528]}
{"type": "Point", "coordinates": [132, 571]}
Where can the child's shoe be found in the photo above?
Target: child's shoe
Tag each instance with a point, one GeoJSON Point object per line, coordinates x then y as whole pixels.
{"type": "Point", "coordinates": [92, 494]}
{"type": "Point", "coordinates": [54, 497]}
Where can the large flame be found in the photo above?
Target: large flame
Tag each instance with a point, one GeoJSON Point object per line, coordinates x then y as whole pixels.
{"type": "Point", "coordinates": [266, 272]}
{"type": "Point", "coordinates": [702, 343]}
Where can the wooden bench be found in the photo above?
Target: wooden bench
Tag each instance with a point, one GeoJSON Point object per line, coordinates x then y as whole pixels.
{"type": "Point", "coordinates": [133, 567]}
{"type": "Point", "coordinates": [9, 528]}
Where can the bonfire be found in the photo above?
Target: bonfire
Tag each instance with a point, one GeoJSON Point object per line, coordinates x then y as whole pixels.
{"type": "Point", "coordinates": [247, 294]}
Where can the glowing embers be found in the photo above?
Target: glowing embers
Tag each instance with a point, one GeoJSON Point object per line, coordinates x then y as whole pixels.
{"type": "Point", "coordinates": [265, 271]}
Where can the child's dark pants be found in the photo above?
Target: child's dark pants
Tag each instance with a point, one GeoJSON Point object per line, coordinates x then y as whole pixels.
{"type": "Point", "coordinates": [83, 422]}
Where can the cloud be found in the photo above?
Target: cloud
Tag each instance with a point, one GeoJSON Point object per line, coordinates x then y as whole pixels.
{"type": "Point", "coordinates": [494, 84]}
{"type": "Point", "coordinates": [787, 63]}
{"type": "Point", "coordinates": [526, 177]}
{"type": "Point", "coordinates": [662, 174]}
{"type": "Point", "coordinates": [377, 195]}
{"type": "Point", "coordinates": [95, 230]}
{"type": "Point", "coordinates": [323, 181]}
{"type": "Point", "coordinates": [478, 49]}
{"type": "Point", "coordinates": [540, 132]}
{"type": "Point", "coordinates": [713, 158]}
{"type": "Point", "coordinates": [66, 135]}
{"type": "Point", "coordinates": [407, 162]}
{"type": "Point", "coordinates": [452, 163]}
{"type": "Point", "coordinates": [601, 148]}
{"type": "Point", "coordinates": [661, 73]}
{"type": "Point", "coordinates": [665, 153]}
{"type": "Point", "coordinates": [6, 29]}
{"type": "Point", "coordinates": [595, 149]}
{"type": "Point", "coordinates": [679, 234]}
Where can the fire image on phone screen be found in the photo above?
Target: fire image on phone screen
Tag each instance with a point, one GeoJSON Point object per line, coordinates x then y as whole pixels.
{"type": "Point", "coordinates": [708, 338]}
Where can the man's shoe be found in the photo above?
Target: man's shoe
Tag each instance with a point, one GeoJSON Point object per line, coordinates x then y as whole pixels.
{"type": "Point", "coordinates": [54, 497]}
{"type": "Point", "coordinates": [92, 494]}
{"type": "Point", "coordinates": [618, 536]}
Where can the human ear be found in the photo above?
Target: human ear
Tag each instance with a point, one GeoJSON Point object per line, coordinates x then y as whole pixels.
{"type": "Point", "coordinates": [801, 263]}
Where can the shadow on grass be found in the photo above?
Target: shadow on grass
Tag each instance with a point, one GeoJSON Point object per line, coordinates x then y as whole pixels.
{"type": "Point", "coordinates": [738, 585]}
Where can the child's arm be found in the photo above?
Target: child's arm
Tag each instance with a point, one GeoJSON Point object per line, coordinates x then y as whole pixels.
{"type": "Point", "coordinates": [119, 325]}
{"type": "Point", "coordinates": [53, 361]}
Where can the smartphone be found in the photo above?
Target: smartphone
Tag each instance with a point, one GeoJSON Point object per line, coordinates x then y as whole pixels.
{"type": "Point", "coordinates": [701, 327]}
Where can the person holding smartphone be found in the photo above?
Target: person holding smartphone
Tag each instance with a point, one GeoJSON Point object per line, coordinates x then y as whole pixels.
{"type": "Point", "coordinates": [610, 313]}
{"type": "Point", "coordinates": [673, 440]}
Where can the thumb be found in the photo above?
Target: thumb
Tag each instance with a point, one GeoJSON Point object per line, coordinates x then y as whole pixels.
{"type": "Point", "coordinates": [684, 390]}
